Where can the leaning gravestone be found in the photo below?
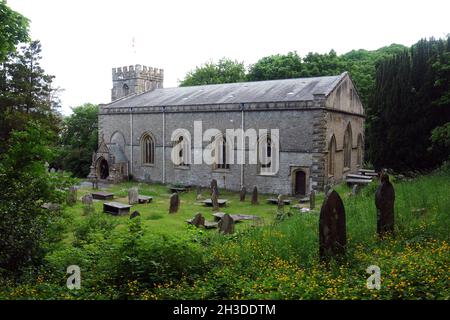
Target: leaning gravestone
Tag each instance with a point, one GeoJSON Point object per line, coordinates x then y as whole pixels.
{"type": "Point", "coordinates": [332, 230]}
{"type": "Point", "coordinates": [255, 195]}
{"type": "Point", "coordinates": [135, 214]}
{"type": "Point", "coordinates": [384, 201]}
{"type": "Point", "coordinates": [199, 194]}
{"type": "Point", "coordinates": [72, 196]}
{"type": "Point", "coordinates": [87, 199]}
{"type": "Point", "coordinates": [215, 200]}
{"type": "Point", "coordinates": [312, 200]}
{"type": "Point", "coordinates": [242, 194]}
{"type": "Point", "coordinates": [226, 224]}
{"type": "Point", "coordinates": [198, 221]}
{"type": "Point", "coordinates": [214, 186]}
{"type": "Point", "coordinates": [133, 196]}
{"type": "Point", "coordinates": [355, 190]}
{"type": "Point", "coordinates": [174, 203]}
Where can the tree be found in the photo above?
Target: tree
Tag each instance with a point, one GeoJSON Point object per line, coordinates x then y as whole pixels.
{"type": "Point", "coordinates": [25, 93]}
{"type": "Point", "coordinates": [224, 71]}
{"type": "Point", "coordinates": [79, 138]}
{"type": "Point", "coordinates": [13, 30]}
{"type": "Point", "coordinates": [276, 67]}
{"type": "Point", "coordinates": [27, 229]}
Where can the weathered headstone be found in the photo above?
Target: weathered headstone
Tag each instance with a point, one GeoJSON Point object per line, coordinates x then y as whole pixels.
{"type": "Point", "coordinates": [87, 199]}
{"type": "Point", "coordinates": [226, 224]}
{"type": "Point", "coordinates": [312, 199]}
{"type": "Point", "coordinates": [135, 214]}
{"type": "Point", "coordinates": [199, 195]}
{"type": "Point", "coordinates": [327, 189]}
{"type": "Point", "coordinates": [242, 194]}
{"type": "Point", "coordinates": [95, 184]}
{"type": "Point", "coordinates": [280, 203]}
{"type": "Point", "coordinates": [52, 170]}
{"type": "Point", "coordinates": [174, 203]}
{"type": "Point", "coordinates": [215, 200]}
{"type": "Point", "coordinates": [198, 221]}
{"type": "Point", "coordinates": [214, 186]}
{"type": "Point", "coordinates": [255, 196]}
{"type": "Point", "coordinates": [384, 201]}
{"type": "Point", "coordinates": [133, 196]}
{"type": "Point", "coordinates": [332, 229]}
{"type": "Point", "coordinates": [72, 196]}
{"type": "Point", "coordinates": [355, 190]}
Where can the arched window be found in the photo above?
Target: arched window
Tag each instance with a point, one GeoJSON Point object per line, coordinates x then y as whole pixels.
{"type": "Point", "coordinates": [331, 155]}
{"type": "Point", "coordinates": [126, 90]}
{"type": "Point", "coordinates": [181, 150]}
{"type": "Point", "coordinates": [348, 147]}
{"type": "Point", "coordinates": [268, 155]}
{"type": "Point", "coordinates": [221, 149]}
{"type": "Point", "coordinates": [147, 149]}
{"type": "Point", "coordinates": [360, 150]}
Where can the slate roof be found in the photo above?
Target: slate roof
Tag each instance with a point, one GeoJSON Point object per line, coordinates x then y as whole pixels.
{"type": "Point", "coordinates": [286, 90]}
{"type": "Point", "coordinates": [116, 151]}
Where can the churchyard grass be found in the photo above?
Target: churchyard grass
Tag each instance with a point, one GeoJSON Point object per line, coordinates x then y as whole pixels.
{"type": "Point", "coordinates": [159, 256]}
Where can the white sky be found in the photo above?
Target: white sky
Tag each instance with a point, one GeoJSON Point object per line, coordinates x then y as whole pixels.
{"type": "Point", "coordinates": [83, 39]}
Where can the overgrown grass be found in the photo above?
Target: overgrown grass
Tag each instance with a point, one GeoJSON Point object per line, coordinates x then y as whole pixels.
{"type": "Point", "coordinates": [159, 256]}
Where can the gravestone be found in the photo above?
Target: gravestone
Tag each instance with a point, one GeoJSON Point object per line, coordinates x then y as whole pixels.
{"type": "Point", "coordinates": [199, 194]}
{"type": "Point", "coordinates": [327, 189]}
{"type": "Point", "coordinates": [214, 186]}
{"type": "Point", "coordinates": [72, 196]}
{"type": "Point", "coordinates": [280, 203]}
{"type": "Point", "coordinates": [135, 214]}
{"type": "Point", "coordinates": [242, 194]}
{"type": "Point", "coordinates": [87, 199]}
{"type": "Point", "coordinates": [174, 203]}
{"type": "Point", "coordinates": [226, 224]}
{"type": "Point", "coordinates": [384, 201]}
{"type": "Point", "coordinates": [215, 200]}
{"type": "Point", "coordinates": [312, 199]}
{"type": "Point", "coordinates": [52, 170]}
{"type": "Point", "coordinates": [355, 190]}
{"type": "Point", "coordinates": [198, 220]}
{"type": "Point", "coordinates": [332, 229]}
{"type": "Point", "coordinates": [255, 196]}
{"type": "Point", "coordinates": [133, 196]}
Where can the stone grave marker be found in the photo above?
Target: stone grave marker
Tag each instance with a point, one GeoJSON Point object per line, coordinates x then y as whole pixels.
{"type": "Point", "coordinates": [135, 214]}
{"type": "Point", "coordinates": [174, 203]}
{"type": "Point", "coordinates": [332, 228]}
{"type": "Point", "coordinates": [355, 190]}
{"type": "Point", "coordinates": [214, 186]}
{"type": "Point", "coordinates": [72, 196]}
{"type": "Point", "coordinates": [133, 196]}
{"type": "Point", "coordinates": [87, 199]}
{"type": "Point", "coordinates": [242, 194]}
{"type": "Point", "coordinates": [198, 221]}
{"type": "Point", "coordinates": [255, 196]}
{"type": "Point", "coordinates": [199, 195]}
{"type": "Point", "coordinates": [384, 201]}
{"type": "Point", "coordinates": [312, 199]}
{"type": "Point", "coordinates": [215, 200]}
{"type": "Point", "coordinates": [226, 224]}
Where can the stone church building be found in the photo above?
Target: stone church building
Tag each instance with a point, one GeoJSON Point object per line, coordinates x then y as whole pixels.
{"type": "Point", "coordinates": [320, 122]}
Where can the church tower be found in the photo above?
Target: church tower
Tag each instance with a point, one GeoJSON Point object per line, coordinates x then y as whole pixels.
{"type": "Point", "coordinates": [134, 80]}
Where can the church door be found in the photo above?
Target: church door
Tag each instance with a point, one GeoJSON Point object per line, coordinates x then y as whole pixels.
{"type": "Point", "coordinates": [300, 183]}
{"type": "Point", "coordinates": [104, 169]}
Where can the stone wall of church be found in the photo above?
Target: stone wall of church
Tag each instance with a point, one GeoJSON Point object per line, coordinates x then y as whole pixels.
{"type": "Point", "coordinates": [297, 146]}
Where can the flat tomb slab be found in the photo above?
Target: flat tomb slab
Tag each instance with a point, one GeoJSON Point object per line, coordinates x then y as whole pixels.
{"type": "Point", "coordinates": [144, 199]}
{"type": "Point", "coordinates": [275, 201]}
{"type": "Point", "coordinates": [101, 195]}
{"type": "Point", "coordinates": [177, 189]}
{"type": "Point", "coordinates": [357, 176]}
{"type": "Point", "coordinates": [235, 217]}
{"type": "Point", "coordinates": [207, 225]}
{"type": "Point", "coordinates": [208, 202]}
{"type": "Point", "coordinates": [358, 181]}
{"type": "Point", "coordinates": [116, 208]}
{"type": "Point", "coordinates": [366, 171]}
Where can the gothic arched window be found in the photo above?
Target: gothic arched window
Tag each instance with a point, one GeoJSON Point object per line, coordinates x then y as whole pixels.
{"type": "Point", "coordinates": [331, 155]}
{"type": "Point", "coordinates": [348, 147]}
{"type": "Point", "coordinates": [221, 148]}
{"type": "Point", "coordinates": [147, 149]}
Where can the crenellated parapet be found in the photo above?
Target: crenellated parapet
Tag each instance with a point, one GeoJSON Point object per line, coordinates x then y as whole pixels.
{"type": "Point", "coordinates": [137, 71]}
